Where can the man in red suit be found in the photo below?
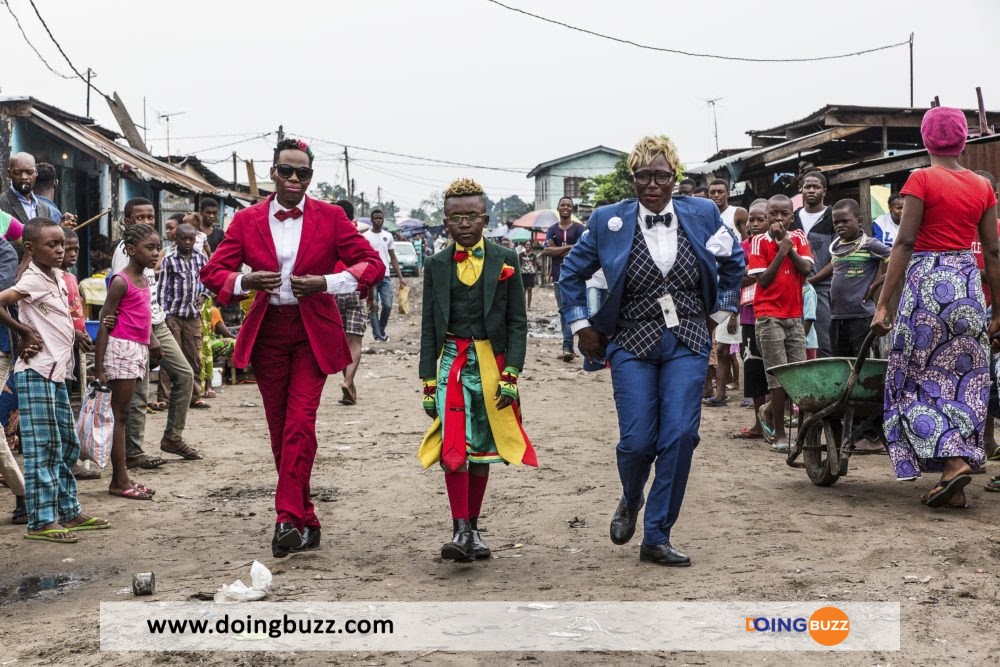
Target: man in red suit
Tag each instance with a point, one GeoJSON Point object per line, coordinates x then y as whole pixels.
{"type": "Point", "coordinates": [293, 335]}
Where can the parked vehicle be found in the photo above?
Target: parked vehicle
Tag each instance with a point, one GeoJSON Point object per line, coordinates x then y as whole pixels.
{"type": "Point", "coordinates": [406, 255]}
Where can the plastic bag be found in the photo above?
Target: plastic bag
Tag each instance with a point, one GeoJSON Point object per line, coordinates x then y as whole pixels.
{"type": "Point", "coordinates": [404, 299]}
{"type": "Point", "coordinates": [260, 578]}
{"type": "Point", "coordinates": [95, 426]}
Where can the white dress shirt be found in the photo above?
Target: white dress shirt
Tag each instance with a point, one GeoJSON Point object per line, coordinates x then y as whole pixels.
{"type": "Point", "coordinates": [286, 235]}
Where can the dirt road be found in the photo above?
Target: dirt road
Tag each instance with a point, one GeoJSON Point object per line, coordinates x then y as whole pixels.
{"type": "Point", "coordinates": [754, 528]}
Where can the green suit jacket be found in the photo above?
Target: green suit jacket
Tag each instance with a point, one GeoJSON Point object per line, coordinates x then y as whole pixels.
{"type": "Point", "coordinates": [503, 302]}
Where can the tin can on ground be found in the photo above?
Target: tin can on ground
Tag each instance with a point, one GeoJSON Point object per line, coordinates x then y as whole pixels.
{"type": "Point", "coordinates": [143, 583]}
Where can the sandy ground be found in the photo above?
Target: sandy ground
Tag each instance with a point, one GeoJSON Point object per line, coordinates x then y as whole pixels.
{"type": "Point", "coordinates": [754, 528]}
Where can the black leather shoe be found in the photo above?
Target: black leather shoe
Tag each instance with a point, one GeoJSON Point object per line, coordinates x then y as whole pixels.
{"type": "Point", "coordinates": [623, 522]}
{"type": "Point", "coordinates": [310, 539]}
{"type": "Point", "coordinates": [461, 548]}
{"type": "Point", "coordinates": [479, 546]}
{"type": "Point", "coordinates": [286, 537]}
{"type": "Point", "coordinates": [663, 554]}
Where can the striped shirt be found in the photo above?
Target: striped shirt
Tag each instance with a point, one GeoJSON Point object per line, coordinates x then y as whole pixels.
{"type": "Point", "coordinates": [179, 286]}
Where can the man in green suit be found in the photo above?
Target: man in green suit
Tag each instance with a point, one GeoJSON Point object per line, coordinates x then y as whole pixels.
{"type": "Point", "coordinates": [475, 324]}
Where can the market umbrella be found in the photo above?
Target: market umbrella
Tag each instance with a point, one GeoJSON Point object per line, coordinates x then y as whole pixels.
{"type": "Point", "coordinates": [537, 219]}
{"type": "Point", "coordinates": [412, 224]}
{"type": "Point", "coordinates": [520, 235]}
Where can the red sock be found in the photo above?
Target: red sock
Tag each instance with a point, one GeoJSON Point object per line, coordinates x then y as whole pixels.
{"type": "Point", "coordinates": [458, 493]}
{"type": "Point", "coordinates": [477, 489]}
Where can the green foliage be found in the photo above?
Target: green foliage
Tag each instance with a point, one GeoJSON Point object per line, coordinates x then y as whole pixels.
{"type": "Point", "coordinates": [611, 187]}
{"type": "Point", "coordinates": [509, 208]}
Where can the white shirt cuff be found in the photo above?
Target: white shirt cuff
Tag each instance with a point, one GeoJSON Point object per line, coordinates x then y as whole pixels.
{"type": "Point", "coordinates": [238, 286]}
{"type": "Point", "coordinates": [341, 283]}
{"type": "Point", "coordinates": [578, 324]}
{"type": "Point", "coordinates": [721, 316]}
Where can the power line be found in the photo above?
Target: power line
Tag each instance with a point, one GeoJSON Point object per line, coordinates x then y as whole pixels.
{"type": "Point", "coordinates": [412, 157]}
{"type": "Point", "coordinates": [58, 46]}
{"type": "Point", "coordinates": [692, 53]}
{"type": "Point", "coordinates": [28, 41]}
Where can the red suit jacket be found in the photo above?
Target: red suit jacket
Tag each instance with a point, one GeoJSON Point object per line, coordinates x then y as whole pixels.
{"type": "Point", "coordinates": [327, 237]}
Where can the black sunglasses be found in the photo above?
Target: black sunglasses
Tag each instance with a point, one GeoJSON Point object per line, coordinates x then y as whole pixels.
{"type": "Point", "coordinates": [286, 171]}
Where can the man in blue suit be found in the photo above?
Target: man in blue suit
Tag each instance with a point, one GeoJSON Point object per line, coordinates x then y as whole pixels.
{"type": "Point", "coordinates": [673, 270]}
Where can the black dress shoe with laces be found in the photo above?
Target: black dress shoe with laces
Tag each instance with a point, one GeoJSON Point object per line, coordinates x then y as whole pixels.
{"type": "Point", "coordinates": [623, 522]}
{"type": "Point", "coordinates": [310, 539]}
{"type": "Point", "coordinates": [461, 548]}
{"type": "Point", "coordinates": [286, 538]}
{"type": "Point", "coordinates": [663, 554]}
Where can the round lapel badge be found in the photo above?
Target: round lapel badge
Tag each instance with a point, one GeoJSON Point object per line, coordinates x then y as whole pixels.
{"type": "Point", "coordinates": [615, 223]}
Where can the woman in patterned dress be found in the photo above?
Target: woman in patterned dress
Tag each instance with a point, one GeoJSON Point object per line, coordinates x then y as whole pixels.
{"type": "Point", "coordinates": [938, 382]}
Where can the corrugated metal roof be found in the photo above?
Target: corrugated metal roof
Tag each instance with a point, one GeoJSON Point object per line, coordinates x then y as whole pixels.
{"type": "Point", "coordinates": [129, 161]}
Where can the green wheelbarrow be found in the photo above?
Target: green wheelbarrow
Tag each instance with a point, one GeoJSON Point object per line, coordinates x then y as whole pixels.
{"type": "Point", "coordinates": [833, 393]}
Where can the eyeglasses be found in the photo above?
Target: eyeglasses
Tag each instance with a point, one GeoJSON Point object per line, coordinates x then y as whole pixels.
{"type": "Point", "coordinates": [459, 218]}
{"type": "Point", "coordinates": [659, 177]}
{"type": "Point", "coordinates": [286, 171]}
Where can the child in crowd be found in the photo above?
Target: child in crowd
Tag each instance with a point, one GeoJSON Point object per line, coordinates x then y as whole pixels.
{"type": "Point", "coordinates": [754, 379]}
{"type": "Point", "coordinates": [529, 268]}
{"type": "Point", "coordinates": [780, 260]}
{"type": "Point", "coordinates": [475, 323]}
{"type": "Point", "coordinates": [48, 433]}
{"type": "Point", "coordinates": [169, 237]}
{"type": "Point", "coordinates": [200, 238]}
{"type": "Point", "coordinates": [858, 263]}
{"type": "Point", "coordinates": [886, 226]}
{"type": "Point", "coordinates": [809, 302]}
{"type": "Point", "coordinates": [123, 351]}
{"type": "Point", "coordinates": [182, 296]}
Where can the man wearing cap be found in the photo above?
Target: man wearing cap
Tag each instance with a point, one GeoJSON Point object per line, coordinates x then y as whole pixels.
{"type": "Point", "coordinates": [937, 381]}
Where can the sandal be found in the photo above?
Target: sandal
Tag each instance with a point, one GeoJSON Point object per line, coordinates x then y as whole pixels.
{"type": "Point", "coordinates": [200, 405]}
{"type": "Point", "coordinates": [746, 433]}
{"type": "Point", "coordinates": [713, 402]}
{"type": "Point", "coordinates": [144, 461]}
{"type": "Point", "coordinates": [993, 484]}
{"type": "Point", "coordinates": [179, 448]}
{"type": "Point", "coordinates": [945, 489]}
{"type": "Point", "coordinates": [209, 394]}
{"type": "Point", "coordinates": [350, 395]}
{"type": "Point", "coordinates": [995, 455]}
{"type": "Point", "coordinates": [90, 523]}
{"type": "Point", "coordinates": [19, 516]}
{"type": "Point", "coordinates": [134, 493]}
{"type": "Point", "coordinates": [79, 472]}
{"type": "Point", "coordinates": [767, 431]}
{"type": "Point", "coordinates": [51, 535]}
{"type": "Point", "coordinates": [145, 489]}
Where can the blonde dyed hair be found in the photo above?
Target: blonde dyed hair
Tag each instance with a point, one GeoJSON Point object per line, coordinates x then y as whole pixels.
{"type": "Point", "coordinates": [464, 187]}
{"type": "Point", "coordinates": [649, 147]}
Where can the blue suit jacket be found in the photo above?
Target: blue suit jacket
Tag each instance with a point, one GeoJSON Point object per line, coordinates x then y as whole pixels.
{"type": "Point", "coordinates": [603, 248]}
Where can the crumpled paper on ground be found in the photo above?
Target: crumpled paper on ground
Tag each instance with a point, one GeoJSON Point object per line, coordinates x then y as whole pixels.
{"type": "Point", "coordinates": [260, 579]}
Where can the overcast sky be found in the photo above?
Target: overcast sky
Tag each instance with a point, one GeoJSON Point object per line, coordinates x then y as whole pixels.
{"type": "Point", "coordinates": [468, 81]}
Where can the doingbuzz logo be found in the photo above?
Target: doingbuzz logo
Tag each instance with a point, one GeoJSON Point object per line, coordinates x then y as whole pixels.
{"type": "Point", "coordinates": [828, 626]}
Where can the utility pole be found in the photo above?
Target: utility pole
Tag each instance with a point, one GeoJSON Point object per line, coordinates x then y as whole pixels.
{"type": "Point", "coordinates": [379, 196]}
{"type": "Point", "coordinates": [363, 211]}
{"type": "Point", "coordinates": [90, 73]}
{"type": "Point", "coordinates": [281, 133]}
{"type": "Point", "coordinates": [347, 170]}
{"type": "Point", "coordinates": [166, 117]}
{"type": "Point", "coordinates": [715, 120]}
{"type": "Point", "coordinates": [911, 70]}
{"type": "Point", "coordinates": [234, 169]}
{"type": "Point", "coordinates": [145, 135]}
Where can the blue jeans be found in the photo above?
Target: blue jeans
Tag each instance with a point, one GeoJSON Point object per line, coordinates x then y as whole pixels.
{"type": "Point", "coordinates": [658, 401]}
{"type": "Point", "coordinates": [382, 293]}
{"type": "Point", "coordinates": [567, 333]}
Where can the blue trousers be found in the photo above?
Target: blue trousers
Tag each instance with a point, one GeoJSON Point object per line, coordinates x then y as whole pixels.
{"type": "Point", "coordinates": [567, 332]}
{"type": "Point", "coordinates": [379, 317]}
{"type": "Point", "coordinates": [658, 400]}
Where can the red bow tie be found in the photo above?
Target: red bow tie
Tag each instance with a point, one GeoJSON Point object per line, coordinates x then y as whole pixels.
{"type": "Point", "coordinates": [294, 214]}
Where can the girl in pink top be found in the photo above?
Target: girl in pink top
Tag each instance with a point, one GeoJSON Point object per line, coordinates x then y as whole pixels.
{"type": "Point", "coordinates": [122, 352]}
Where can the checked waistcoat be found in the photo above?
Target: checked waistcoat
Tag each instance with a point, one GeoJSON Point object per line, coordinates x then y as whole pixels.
{"type": "Point", "coordinates": [640, 317]}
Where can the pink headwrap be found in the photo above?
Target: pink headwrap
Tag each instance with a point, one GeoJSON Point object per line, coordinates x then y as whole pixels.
{"type": "Point", "coordinates": [943, 130]}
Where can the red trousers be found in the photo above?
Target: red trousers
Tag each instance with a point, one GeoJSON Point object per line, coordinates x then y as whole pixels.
{"type": "Point", "coordinates": [290, 384]}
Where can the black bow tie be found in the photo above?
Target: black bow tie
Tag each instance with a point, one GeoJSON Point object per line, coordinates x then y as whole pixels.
{"type": "Point", "coordinates": [665, 218]}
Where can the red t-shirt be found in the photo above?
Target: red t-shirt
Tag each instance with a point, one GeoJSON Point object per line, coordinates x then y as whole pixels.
{"type": "Point", "coordinates": [954, 202]}
{"type": "Point", "coordinates": [783, 297]}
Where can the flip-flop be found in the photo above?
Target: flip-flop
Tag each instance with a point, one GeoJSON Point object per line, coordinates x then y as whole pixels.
{"type": "Point", "coordinates": [768, 431]}
{"type": "Point", "coordinates": [200, 405]}
{"type": "Point", "coordinates": [713, 402]}
{"type": "Point", "coordinates": [948, 488]}
{"type": "Point", "coordinates": [86, 473]}
{"type": "Point", "coordinates": [350, 396]}
{"type": "Point", "coordinates": [134, 493]}
{"type": "Point", "coordinates": [209, 394]}
{"type": "Point", "coordinates": [993, 484]}
{"type": "Point", "coordinates": [746, 433]}
{"type": "Point", "coordinates": [50, 534]}
{"type": "Point", "coordinates": [180, 448]}
{"type": "Point", "coordinates": [995, 456]}
{"type": "Point", "coordinates": [19, 516]}
{"type": "Point", "coordinates": [93, 523]}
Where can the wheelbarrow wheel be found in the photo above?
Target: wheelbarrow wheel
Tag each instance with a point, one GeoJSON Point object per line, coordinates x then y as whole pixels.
{"type": "Point", "coordinates": [820, 453]}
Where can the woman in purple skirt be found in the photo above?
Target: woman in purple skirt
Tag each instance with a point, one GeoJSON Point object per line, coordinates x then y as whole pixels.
{"type": "Point", "coordinates": [938, 383]}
